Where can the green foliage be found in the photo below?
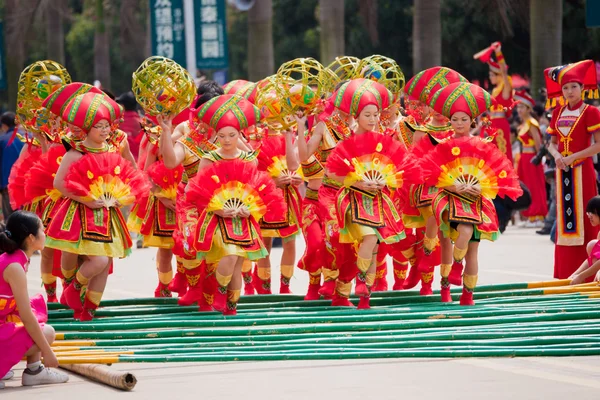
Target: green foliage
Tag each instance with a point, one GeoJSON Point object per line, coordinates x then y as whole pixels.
{"type": "Point", "coordinates": [80, 49]}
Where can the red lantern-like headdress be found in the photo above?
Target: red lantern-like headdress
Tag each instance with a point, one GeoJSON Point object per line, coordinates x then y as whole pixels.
{"type": "Point", "coordinates": [356, 94]}
{"type": "Point", "coordinates": [427, 82]}
{"type": "Point", "coordinates": [229, 110]}
{"type": "Point", "coordinates": [466, 97]}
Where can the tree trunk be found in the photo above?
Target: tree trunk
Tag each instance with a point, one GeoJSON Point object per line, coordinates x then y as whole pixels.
{"type": "Point", "coordinates": [14, 46]}
{"type": "Point", "coordinates": [260, 40]}
{"type": "Point", "coordinates": [427, 35]}
{"type": "Point", "coordinates": [545, 38]}
{"type": "Point", "coordinates": [55, 32]}
{"type": "Point", "coordinates": [331, 21]}
{"type": "Point", "coordinates": [101, 48]}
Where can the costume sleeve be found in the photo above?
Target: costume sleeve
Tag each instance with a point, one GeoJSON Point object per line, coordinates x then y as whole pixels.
{"type": "Point", "coordinates": [552, 129]}
{"type": "Point", "coordinates": [592, 120]}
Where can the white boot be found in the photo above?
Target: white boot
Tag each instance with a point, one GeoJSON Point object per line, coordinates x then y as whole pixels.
{"type": "Point", "coordinates": [43, 376]}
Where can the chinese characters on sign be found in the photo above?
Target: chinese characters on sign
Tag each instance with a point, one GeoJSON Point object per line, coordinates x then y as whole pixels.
{"type": "Point", "coordinates": [211, 35]}
{"type": "Point", "coordinates": [168, 38]}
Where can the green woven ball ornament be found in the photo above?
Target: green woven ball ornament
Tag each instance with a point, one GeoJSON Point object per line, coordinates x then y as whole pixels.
{"type": "Point", "coordinates": [163, 87]}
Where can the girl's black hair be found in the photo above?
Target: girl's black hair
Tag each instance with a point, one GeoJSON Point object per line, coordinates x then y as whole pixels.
{"type": "Point", "coordinates": [206, 91]}
{"type": "Point", "coordinates": [593, 206]}
{"type": "Point", "coordinates": [18, 227]}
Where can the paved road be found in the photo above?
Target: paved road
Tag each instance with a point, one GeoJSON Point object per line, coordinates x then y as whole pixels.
{"type": "Point", "coordinates": [520, 255]}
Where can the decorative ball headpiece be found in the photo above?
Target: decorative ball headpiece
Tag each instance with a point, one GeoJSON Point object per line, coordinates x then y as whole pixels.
{"type": "Point", "coordinates": [384, 70]}
{"type": "Point", "coordinates": [300, 84]}
{"type": "Point", "coordinates": [36, 83]}
{"type": "Point", "coordinates": [163, 87]}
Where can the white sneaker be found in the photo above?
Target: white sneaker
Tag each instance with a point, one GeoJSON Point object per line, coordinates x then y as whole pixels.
{"type": "Point", "coordinates": [9, 375]}
{"type": "Point", "coordinates": [43, 376]}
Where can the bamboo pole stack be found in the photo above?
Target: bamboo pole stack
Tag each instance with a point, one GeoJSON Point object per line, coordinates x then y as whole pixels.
{"type": "Point", "coordinates": [524, 319]}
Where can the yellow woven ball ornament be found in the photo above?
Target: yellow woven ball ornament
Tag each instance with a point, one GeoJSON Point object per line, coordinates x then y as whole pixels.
{"type": "Point", "coordinates": [343, 68]}
{"type": "Point", "coordinates": [36, 83]}
{"type": "Point", "coordinates": [268, 100]}
{"type": "Point", "coordinates": [163, 87]}
{"type": "Point", "coordinates": [383, 70]}
{"type": "Point", "coordinates": [300, 84]}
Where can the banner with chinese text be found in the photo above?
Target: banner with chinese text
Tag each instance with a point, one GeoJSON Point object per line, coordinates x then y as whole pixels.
{"type": "Point", "coordinates": [211, 34]}
{"type": "Point", "coordinates": [168, 29]}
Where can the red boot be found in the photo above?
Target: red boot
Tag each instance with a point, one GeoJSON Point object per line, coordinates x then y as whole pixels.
{"type": "Point", "coordinates": [72, 296]}
{"type": "Point", "coordinates": [179, 283]}
{"type": "Point", "coordinates": [400, 270]}
{"type": "Point", "coordinates": [381, 283]}
{"type": "Point", "coordinates": [361, 288]}
{"type": "Point", "coordinates": [327, 289]}
{"type": "Point", "coordinates": [364, 303]}
{"type": "Point", "coordinates": [466, 298]}
{"type": "Point", "coordinates": [426, 281]}
{"type": "Point", "coordinates": [220, 299]}
{"type": "Point", "coordinates": [340, 301]}
{"type": "Point", "coordinates": [90, 305]}
{"type": "Point", "coordinates": [194, 293]}
{"type": "Point", "coordinates": [51, 292]}
{"type": "Point", "coordinates": [455, 277]}
{"type": "Point", "coordinates": [209, 287]}
{"type": "Point", "coordinates": [314, 284]}
{"type": "Point", "coordinates": [445, 295]}
{"type": "Point", "coordinates": [248, 284]}
{"type": "Point", "coordinates": [262, 286]}
{"type": "Point", "coordinates": [284, 286]}
{"type": "Point", "coordinates": [413, 278]}
{"type": "Point", "coordinates": [233, 296]}
{"type": "Point", "coordinates": [162, 290]}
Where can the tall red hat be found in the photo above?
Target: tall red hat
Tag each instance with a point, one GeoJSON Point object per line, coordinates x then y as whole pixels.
{"type": "Point", "coordinates": [85, 110]}
{"type": "Point", "coordinates": [356, 94]}
{"type": "Point", "coordinates": [427, 82]}
{"type": "Point", "coordinates": [488, 55]}
{"type": "Point", "coordinates": [522, 96]}
{"type": "Point", "coordinates": [229, 110]}
{"type": "Point", "coordinates": [60, 98]}
{"type": "Point", "coordinates": [582, 72]}
{"type": "Point", "coordinates": [461, 96]}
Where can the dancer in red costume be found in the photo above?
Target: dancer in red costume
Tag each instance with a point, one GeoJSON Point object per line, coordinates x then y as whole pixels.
{"type": "Point", "coordinates": [277, 155]}
{"type": "Point", "coordinates": [225, 236]}
{"type": "Point", "coordinates": [81, 225]}
{"type": "Point", "coordinates": [532, 175]}
{"type": "Point", "coordinates": [502, 94]}
{"type": "Point", "coordinates": [572, 127]}
{"type": "Point", "coordinates": [333, 127]}
{"type": "Point", "coordinates": [362, 99]}
{"type": "Point", "coordinates": [313, 259]}
{"type": "Point", "coordinates": [471, 172]}
{"type": "Point", "coordinates": [417, 209]}
{"type": "Point", "coordinates": [42, 174]}
{"type": "Point", "coordinates": [190, 140]}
